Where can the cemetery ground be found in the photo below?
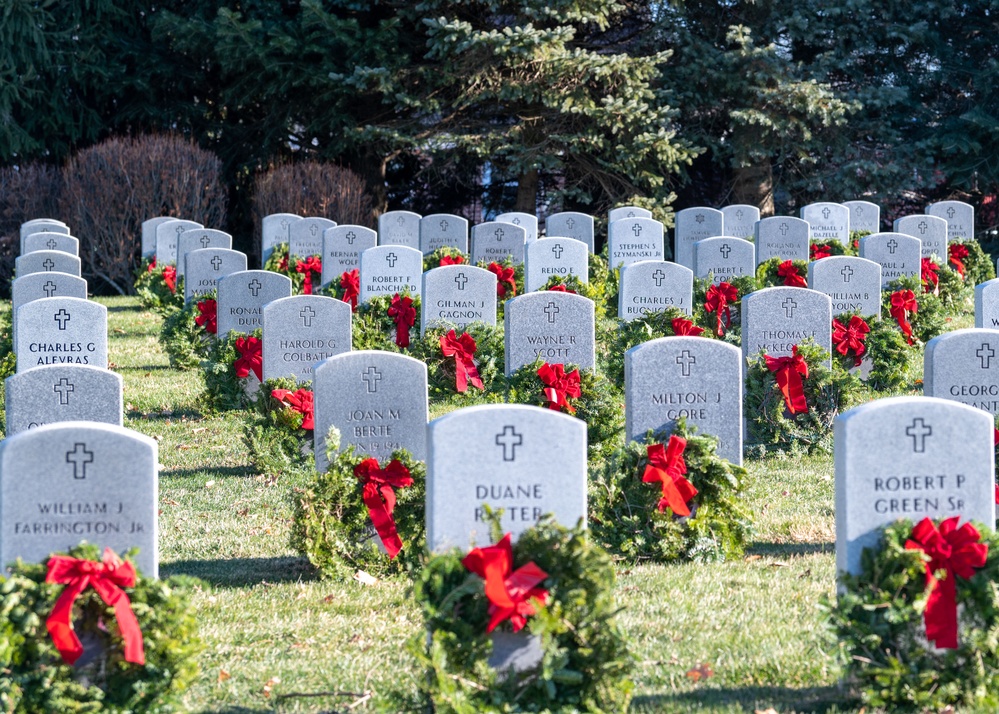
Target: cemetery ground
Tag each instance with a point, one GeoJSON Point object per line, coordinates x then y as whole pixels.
{"type": "Point", "coordinates": [723, 637]}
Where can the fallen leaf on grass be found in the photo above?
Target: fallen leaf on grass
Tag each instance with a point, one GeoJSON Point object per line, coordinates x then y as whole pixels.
{"type": "Point", "coordinates": [183, 447]}
{"type": "Point", "coordinates": [701, 671]}
{"type": "Point", "coordinates": [753, 557]}
{"type": "Point", "coordinates": [269, 686]}
{"type": "Point", "coordinates": [119, 331]}
{"type": "Point", "coordinates": [169, 502]}
{"type": "Point", "coordinates": [223, 675]}
{"type": "Point", "coordinates": [329, 599]}
{"type": "Point", "coordinates": [199, 429]}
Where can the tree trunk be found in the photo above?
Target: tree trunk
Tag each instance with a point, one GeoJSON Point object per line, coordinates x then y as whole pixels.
{"type": "Point", "coordinates": [527, 192]}
{"type": "Point", "coordinates": [372, 168]}
{"type": "Point", "coordinates": [754, 185]}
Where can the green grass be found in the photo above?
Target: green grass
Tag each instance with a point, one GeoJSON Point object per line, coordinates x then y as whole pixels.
{"type": "Point", "coordinates": [276, 634]}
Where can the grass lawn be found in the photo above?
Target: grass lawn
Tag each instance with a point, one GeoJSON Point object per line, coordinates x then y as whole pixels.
{"type": "Point", "coordinates": [280, 639]}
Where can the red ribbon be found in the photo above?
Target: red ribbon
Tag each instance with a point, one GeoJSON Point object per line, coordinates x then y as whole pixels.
{"type": "Point", "coordinates": [350, 281]}
{"type": "Point", "coordinates": [107, 578]}
{"type": "Point", "coordinates": [170, 278]}
{"type": "Point", "coordinates": [559, 288]}
{"type": "Point", "coordinates": [310, 265]}
{"type": "Point", "coordinates": [850, 338]}
{"type": "Point", "coordinates": [957, 253]}
{"type": "Point", "coordinates": [792, 278]}
{"type": "Point", "coordinates": [506, 282]}
{"type": "Point", "coordinates": [152, 265]}
{"type": "Point", "coordinates": [902, 303]}
{"type": "Point", "coordinates": [667, 467]}
{"type": "Point", "coordinates": [559, 386]}
{"type": "Point", "coordinates": [379, 497]}
{"type": "Point", "coordinates": [929, 275]}
{"type": "Point", "coordinates": [820, 251]}
{"type": "Point", "coordinates": [717, 300]}
{"type": "Point", "coordinates": [683, 327]}
{"type": "Point", "coordinates": [209, 315]}
{"type": "Point", "coordinates": [300, 401]}
{"type": "Point", "coordinates": [510, 592]}
{"type": "Point", "coordinates": [956, 550]}
{"type": "Point", "coordinates": [463, 350]}
{"type": "Point", "coordinates": [789, 371]}
{"type": "Point", "coordinates": [404, 314]}
{"type": "Point", "coordinates": [283, 265]}
{"type": "Point", "coordinates": [452, 260]}
{"type": "Point", "coordinates": [250, 357]}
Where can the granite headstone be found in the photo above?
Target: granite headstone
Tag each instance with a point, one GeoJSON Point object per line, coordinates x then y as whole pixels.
{"type": "Point", "coordinates": [692, 225]}
{"type": "Point", "coordinates": [62, 392]}
{"type": "Point", "coordinates": [496, 241]}
{"type": "Point", "coordinates": [776, 319]}
{"type": "Point", "coordinates": [930, 230]}
{"type": "Point", "coordinates": [167, 237]}
{"type": "Point", "coordinates": [963, 365]}
{"type": "Point", "coordinates": [827, 221]}
{"type": "Point", "coordinates": [307, 236]}
{"type": "Point", "coordinates": [242, 296]}
{"type": "Point", "coordinates": [782, 237]}
{"type": "Point", "coordinates": [61, 330]}
{"type": "Point", "coordinates": [616, 214]}
{"type": "Point", "coordinates": [46, 261]}
{"type": "Point", "coordinates": [205, 266]}
{"type": "Point", "coordinates": [723, 258]}
{"type": "Point", "coordinates": [443, 229]}
{"type": "Point", "coordinates": [571, 224]}
{"type": "Point", "coordinates": [274, 230]}
{"type": "Point", "coordinates": [302, 330]}
{"type": "Point", "coordinates": [458, 295]}
{"type": "Point", "coordinates": [740, 220]}
{"type": "Point", "coordinates": [853, 284]}
{"type": "Point", "coordinates": [198, 239]}
{"type": "Point", "coordinates": [897, 253]}
{"type": "Point", "coordinates": [390, 269]}
{"type": "Point", "coordinates": [149, 235]}
{"type": "Point", "coordinates": [342, 248]}
{"type": "Point", "coordinates": [525, 220]}
{"type": "Point", "coordinates": [633, 239]}
{"type": "Point", "coordinates": [555, 257]}
{"type": "Point", "coordinates": [51, 241]}
{"type": "Point", "coordinates": [960, 217]}
{"type": "Point", "coordinates": [986, 304]}
{"type": "Point", "coordinates": [865, 217]}
{"type": "Point", "coordinates": [399, 228]}
{"type": "Point", "coordinates": [554, 326]}
{"type": "Point", "coordinates": [654, 286]}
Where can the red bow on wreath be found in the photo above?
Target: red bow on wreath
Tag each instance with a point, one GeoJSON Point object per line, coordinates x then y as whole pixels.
{"type": "Point", "coordinates": [956, 550]}
{"type": "Point", "coordinates": [152, 265]}
{"type": "Point", "coordinates": [506, 282]}
{"type": "Point", "coordinates": [510, 592]}
{"type": "Point", "coordinates": [310, 265]}
{"type": "Point", "coordinates": [463, 350]}
{"type": "Point", "coordinates": [717, 299]}
{"type": "Point", "coordinates": [929, 276]}
{"type": "Point", "coordinates": [559, 288]}
{"type": "Point", "coordinates": [849, 339]}
{"type": "Point", "coordinates": [904, 302]}
{"type": "Point", "coordinates": [818, 252]}
{"type": "Point", "coordinates": [451, 260]}
{"type": "Point", "coordinates": [379, 497]}
{"type": "Point", "coordinates": [559, 386]}
{"type": "Point", "coordinates": [404, 314]}
{"type": "Point", "coordinates": [792, 278]}
{"type": "Point", "coordinates": [957, 254]}
{"type": "Point", "coordinates": [666, 466]}
{"type": "Point", "coordinates": [209, 316]}
{"type": "Point", "coordinates": [683, 327]}
{"type": "Point", "coordinates": [250, 357]}
{"type": "Point", "coordinates": [301, 401]}
{"type": "Point", "coordinates": [107, 578]}
{"type": "Point", "coordinates": [170, 278]}
{"type": "Point", "coordinates": [350, 281]}
{"type": "Point", "coordinates": [789, 371]}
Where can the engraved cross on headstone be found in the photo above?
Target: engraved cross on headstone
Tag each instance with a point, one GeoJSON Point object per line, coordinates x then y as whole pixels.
{"type": "Point", "coordinates": [313, 229]}
{"type": "Point", "coordinates": [48, 264]}
{"type": "Point", "coordinates": [460, 279]}
{"type": "Point", "coordinates": [847, 273]}
{"type": "Point", "coordinates": [516, 221]}
{"type": "Point", "coordinates": [892, 245]}
{"type": "Point", "coordinates": [79, 457]}
{"type": "Point", "coordinates": [63, 388]}
{"type": "Point", "coordinates": [285, 224]}
{"type": "Point", "coordinates": [391, 258]}
{"type": "Point", "coordinates": [659, 276]}
{"type": "Point", "coordinates": [985, 354]}
{"type": "Point", "coordinates": [216, 263]}
{"type": "Point", "coordinates": [826, 212]}
{"type": "Point", "coordinates": [637, 229]}
{"type": "Point", "coordinates": [180, 229]}
{"type": "Point", "coordinates": [551, 310]}
{"type": "Point", "coordinates": [951, 212]}
{"type": "Point", "coordinates": [307, 313]}
{"type": "Point", "coordinates": [205, 240]}
{"type": "Point", "coordinates": [255, 286]}
{"type": "Point", "coordinates": [498, 233]}
{"type": "Point", "coordinates": [725, 250]}
{"type": "Point", "coordinates": [62, 317]}
{"type": "Point", "coordinates": [49, 288]}
{"type": "Point", "coordinates": [444, 225]}
{"type": "Point", "coordinates": [509, 439]}
{"type": "Point", "coordinates": [739, 214]}
{"type": "Point", "coordinates": [371, 377]}
{"type": "Point", "coordinates": [350, 237]}
{"type": "Point", "coordinates": [570, 223]}
{"type": "Point", "coordinates": [557, 250]}
{"type": "Point", "coordinates": [784, 228]}
{"type": "Point", "coordinates": [51, 244]}
{"type": "Point", "coordinates": [919, 430]}
{"type": "Point", "coordinates": [685, 359]}
{"type": "Point", "coordinates": [789, 306]}
{"type": "Point", "coordinates": [923, 225]}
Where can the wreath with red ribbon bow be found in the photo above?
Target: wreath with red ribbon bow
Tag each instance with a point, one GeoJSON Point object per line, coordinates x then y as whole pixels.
{"type": "Point", "coordinates": [926, 586]}
{"type": "Point", "coordinates": [387, 322]}
{"type": "Point", "coordinates": [140, 635]}
{"type": "Point", "coordinates": [279, 428]}
{"type": "Point", "coordinates": [232, 371]}
{"type": "Point", "coordinates": [158, 287]}
{"type": "Point", "coordinates": [188, 334]}
{"type": "Point", "coordinates": [670, 322]}
{"type": "Point", "coordinates": [442, 369]}
{"type": "Point", "coordinates": [362, 514]}
{"type": "Point", "coordinates": [552, 584]}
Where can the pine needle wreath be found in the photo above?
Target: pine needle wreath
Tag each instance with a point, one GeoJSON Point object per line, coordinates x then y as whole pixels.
{"type": "Point", "coordinates": [978, 265]}
{"type": "Point", "coordinates": [649, 326]}
{"type": "Point", "coordinates": [489, 355]}
{"type": "Point", "coordinates": [929, 320]}
{"type": "Point", "coordinates": [892, 361]}
{"type": "Point", "coordinates": [447, 255]}
{"type": "Point", "coordinates": [505, 291]}
{"type": "Point", "coordinates": [601, 405]}
{"type": "Point", "coordinates": [185, 341]}
{"type": "Point", "coordinates": [827, 393]}
{"type": "Point", "coordinates": [154, 292]}
{"type": "Point", "coordinates": [624, 515]}
{"type": "Point", "coordinates": [879, 633]}
{"type": "Point", "coordinates": [828, 248]}
{"type": "Point", "coordinates": [224, 391]}
{"type": "Point", "coordinates": [954, 294]}
{"type": "Point", "coordinates": [332, 528]}
{"type": "Point", "coordinates": [278, 444]}
{"type": "Point", "coordinates": [744, 284]}
{"type": "Point", "coordinates": [373, 329]}
{"type": "Point", "coordinates": [585, 659]}
{"type": "Point", "coordinates": [572, 284]}
{"type": "Point", "coordinates": [768, 273]}
{"type": "Point", "coordinates": [36, 680]}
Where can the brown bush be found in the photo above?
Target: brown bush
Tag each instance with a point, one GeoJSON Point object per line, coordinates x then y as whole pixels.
{"type": "Point", "coordinates": [26, 192]}
{"type": "Point", "coordinates": [312, 189]}
{"type": "Point", "coordinates": [111, 188]}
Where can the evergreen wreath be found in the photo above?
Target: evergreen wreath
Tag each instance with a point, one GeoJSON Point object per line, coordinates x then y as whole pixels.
{"type": "Point", "coordinates": [939, 278]}
{"type": "Point", "coordinates": [649, 326]}
{"type": "Point", "coordinates": [626, 520]}
{"type": "Point", "coordinates": [188, 333]}
{"type": "Point", "coordinates": [819, 249]}
{"type": "Point", "coordinates": [335, 288]}
{"type": "Point", "coordinates": [224, 390]}
{"type": "Point", "coordinates": [158, 287]}
{"type": "Point", "coordinates": [278, 434]}
{"type": "Point", "coordinates": [929, 320]}
{"type": "Point", "coordinates": [446, 255]}
{"type": "Point", "coordinates": [36, 680]}
{"type": "Point", "coordinates": [372, 328]}
{"type": "Point", "coordinates": [572, 284]}
{"type": "Point", "coordinates": [509, 282]}
{"type": "Point", "coordinates": [827, 392]}
{"type": "Point", "coordinates": [600, 404]}
{"type": "Point", "coordinates": [585, 662]}
{"type": "Point", "coordinates": [878, 626]}
{"type": "Point", "coordinates": [855, 237]}
{"type": "Point", "coordinates": [892, 359]}
{"type": "Point", "coordinates": [777, 272]}
{"type": "Point", "coordinates": [489, 354]}
{"type": "Point", "coordinates": [731, 333]}
{"type": "Point", "coordinates": [972, 263]}
{"type": "Point", "coordinates": [332, 526]}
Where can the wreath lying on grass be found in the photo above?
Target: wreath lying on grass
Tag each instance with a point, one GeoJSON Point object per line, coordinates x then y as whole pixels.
{"type": "Point", "coordinates": [158, 287]}
{"type": "Point", "coordinates": [670, 497]}
{"type": "Point", "coordinates": [110, 675]}
{"type": "Point", "coordinates": [279, 427]}
{"type": "Point", "coordinates": [791, 402]}
{"type": "Point", "coordinates": [464, 365]}
{"type": "Point", "coordinates": [362, 515]}
{"type": "Point", "coordinates": [187, 334]}
{"type": "Point", "coordinates": [386, 322]}
{"type": "Point", "coordinates": [567, 602]}
{"type": "Point", "coordinates": [887, 615]}
{"type": "Point", "coordinates": [233, 371]}
{"type": "Point", "coordinates": [879, 342]}
{"type": "Point", "coordinates": [671, 322]}
{"type": "Point", "coordinates": [945, 283]}
{"type": "Point", "coordinates": [581, 393]}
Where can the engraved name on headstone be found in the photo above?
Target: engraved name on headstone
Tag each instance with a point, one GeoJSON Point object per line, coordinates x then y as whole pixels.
{"type": "Point", "coordinates": [930, 230]}
{"type": "Point", "coordinates": [242, 296]}
{"type": "Point", "coordinates": [554, 326]}
{"type": "Point", "coordinates": [654, 286]}
{"type": "Point", "coordinates": [205, 266]}
{"type": "Point", "coordinates": [897, 253]}
{"type": "Point", "coordinates": [458, 295]}
{"type": "Point", "coordinates": [443, 229]}
{"type": "Point", "coordinates": [307, 236]}
{"type": "Point", "coordinates": [633, 239]}
{"type": "Point", "coordinates": [300, 331]}
{"type": "Point", "coordinates": [342, 247]}
{"type": "Point", "coordinates": [828, 221]}
{"type": "Point", "coordinates": [399, 228]}
{"type": "Point", "coordinates": [960, 217]}
{"type": "Point", "coordinates": [776, 319]}
{"type": "Point", "coordinates": [782, 237]}
{"type": "Point", "coordinates": [853, 284]}
{"type": "Point", "coordinates": [390, 269]}
{"type": "Point", "coordinates": [723, 258]}
{"type": "Point", "coordinates": [555, 257]}
{"type": "Point", "coordinates": [498, 241]}
{"type": "Point", "coordinates": [963, 365]}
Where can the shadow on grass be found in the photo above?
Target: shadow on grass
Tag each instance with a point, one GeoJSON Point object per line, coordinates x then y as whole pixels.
{"type": "Point", "coordinates": [790, 549]}
{"type": "Point", "coordinates": [243, 572]}
{"type": "Point", "coordinates": [214, 471]}
{"type": "Point", "coordinates": [815, 700]}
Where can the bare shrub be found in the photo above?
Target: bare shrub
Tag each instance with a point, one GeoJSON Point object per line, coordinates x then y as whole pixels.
{"type": "Point", "coordinates": [111, 188]}
{"type": "Point", "coordinates": [26, 192]}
